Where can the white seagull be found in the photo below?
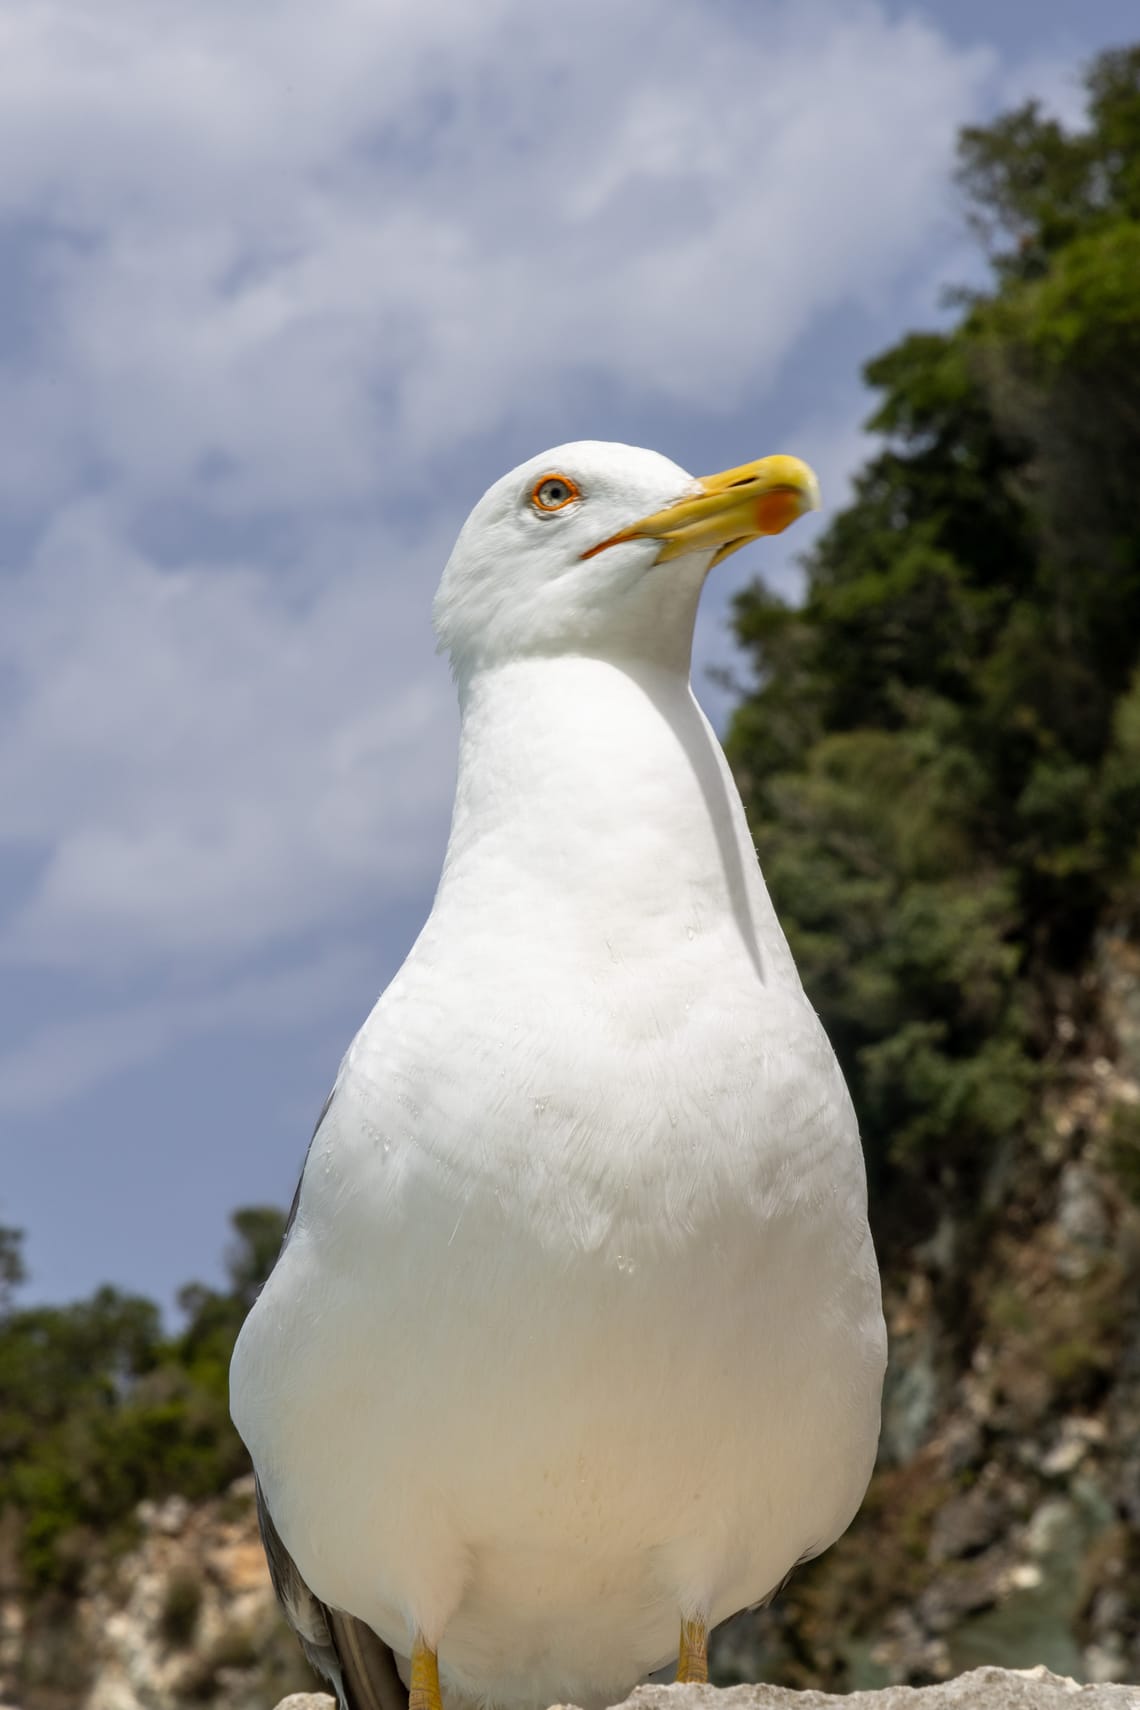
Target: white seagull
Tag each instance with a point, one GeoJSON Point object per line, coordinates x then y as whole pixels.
{"type": "Point", "coordinates": [575, 1344]}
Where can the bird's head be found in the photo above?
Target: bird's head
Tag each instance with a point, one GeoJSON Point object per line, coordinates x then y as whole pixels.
{"type": "Point", "coordinates": [603, 549]}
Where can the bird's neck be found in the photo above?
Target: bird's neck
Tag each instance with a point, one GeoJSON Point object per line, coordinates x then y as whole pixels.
{"type": "Point", "coordinates": [600, 790]}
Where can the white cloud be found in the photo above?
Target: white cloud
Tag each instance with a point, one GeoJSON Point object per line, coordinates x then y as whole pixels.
{"type": "Point", "coordinates": [283, 264]}
{"type": "Point", "coordinates": [313, 249]}
{"type": "Point", "coordinates": [215, 759]}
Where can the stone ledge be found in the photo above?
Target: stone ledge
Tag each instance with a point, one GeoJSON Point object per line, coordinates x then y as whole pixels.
{"type": "Point", "coordinates": [981, 1689]}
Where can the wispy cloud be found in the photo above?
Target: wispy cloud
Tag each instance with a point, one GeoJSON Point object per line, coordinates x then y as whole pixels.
{"type": "Point", "coordinates": [277, 266]}
{"type": "Point", "coordinates": [214, 756]}
{"type": "Point", "coordinates": [284, 258]}
{"type": "Point", "coordinates": [279, 280]}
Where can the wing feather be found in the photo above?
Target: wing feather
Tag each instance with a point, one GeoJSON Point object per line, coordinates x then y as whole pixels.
{"type": "Point", "coordinates": [342, 1648]}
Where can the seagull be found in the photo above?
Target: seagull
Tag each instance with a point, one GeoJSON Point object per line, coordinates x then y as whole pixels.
{"type": "Point", "coordinates": [575, 1343]}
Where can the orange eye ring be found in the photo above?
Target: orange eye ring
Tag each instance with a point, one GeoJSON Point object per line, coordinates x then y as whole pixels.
{"type": "Point", "coordinates": [553, 493]}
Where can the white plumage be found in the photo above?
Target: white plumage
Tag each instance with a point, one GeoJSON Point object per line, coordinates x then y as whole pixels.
{"type": "Point", "coordinates": [577, 1330]}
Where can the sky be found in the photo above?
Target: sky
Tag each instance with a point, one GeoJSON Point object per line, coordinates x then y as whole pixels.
{"type": "Point", "coordinates": [282, 289]}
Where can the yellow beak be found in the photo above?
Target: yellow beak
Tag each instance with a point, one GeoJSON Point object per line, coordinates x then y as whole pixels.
{"type": "Point", "coordinates": [728, 510]}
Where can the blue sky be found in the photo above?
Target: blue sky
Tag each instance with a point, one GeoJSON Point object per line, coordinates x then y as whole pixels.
{"type": "Point", "coordinates": [282, 289]}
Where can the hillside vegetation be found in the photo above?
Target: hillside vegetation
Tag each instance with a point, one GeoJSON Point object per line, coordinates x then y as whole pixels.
{"type": "Point", "coordinates": [941, 760]}
{"type": "Point", "coordinates": [101, 1408]}
{"type": "Point", "coordinates": [942, 752]}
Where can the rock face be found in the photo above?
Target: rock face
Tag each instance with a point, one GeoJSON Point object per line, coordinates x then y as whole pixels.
{"type": "Point", "coordinates": [981, 1689]}
{"type": "Point", "coordinates": [185, 1618]}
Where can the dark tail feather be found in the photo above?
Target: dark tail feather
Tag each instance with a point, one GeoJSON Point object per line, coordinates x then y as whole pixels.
{"type": "Point", "coordinates": [343, 1649]}
{"type": "Point", "coordinates": [367, 1667]}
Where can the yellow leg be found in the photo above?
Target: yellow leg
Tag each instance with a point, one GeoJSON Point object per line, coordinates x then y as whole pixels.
{"type": "Point", "coordinates": [423, 1694]}
{"type": "Point", "coordinates": [693, 1662]}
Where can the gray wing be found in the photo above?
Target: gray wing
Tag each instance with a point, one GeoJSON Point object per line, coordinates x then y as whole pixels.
{"type": "Point", "coordinates": [292, 1217]}
{"type": "Point", "coordinates": [344, 1649]}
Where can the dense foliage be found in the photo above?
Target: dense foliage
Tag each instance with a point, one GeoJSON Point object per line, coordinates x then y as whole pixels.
{"type": "Point", "coordinates": [99, 1407]}
{"type": "Point", "coordinates": [941, 755]}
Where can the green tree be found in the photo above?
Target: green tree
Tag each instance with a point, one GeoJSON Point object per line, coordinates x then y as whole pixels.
{"type": "Point", "coordinates": [100, 1407]}
{"type": "Point", "coordinates": [941, 753]}
{"type": "Point", "coordinates": [12, 1272]}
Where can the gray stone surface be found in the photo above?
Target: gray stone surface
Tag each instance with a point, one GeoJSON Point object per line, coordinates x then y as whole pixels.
{"type": "Point", "coordinates": [981, 1689]}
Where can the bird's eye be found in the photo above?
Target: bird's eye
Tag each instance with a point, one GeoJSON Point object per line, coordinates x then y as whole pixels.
{"type": "Point", "coordinates": [553, 492]}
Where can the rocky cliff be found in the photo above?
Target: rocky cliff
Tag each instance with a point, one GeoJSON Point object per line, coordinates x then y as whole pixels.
{"type": "Point", "coordinates": [185, 1616]}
